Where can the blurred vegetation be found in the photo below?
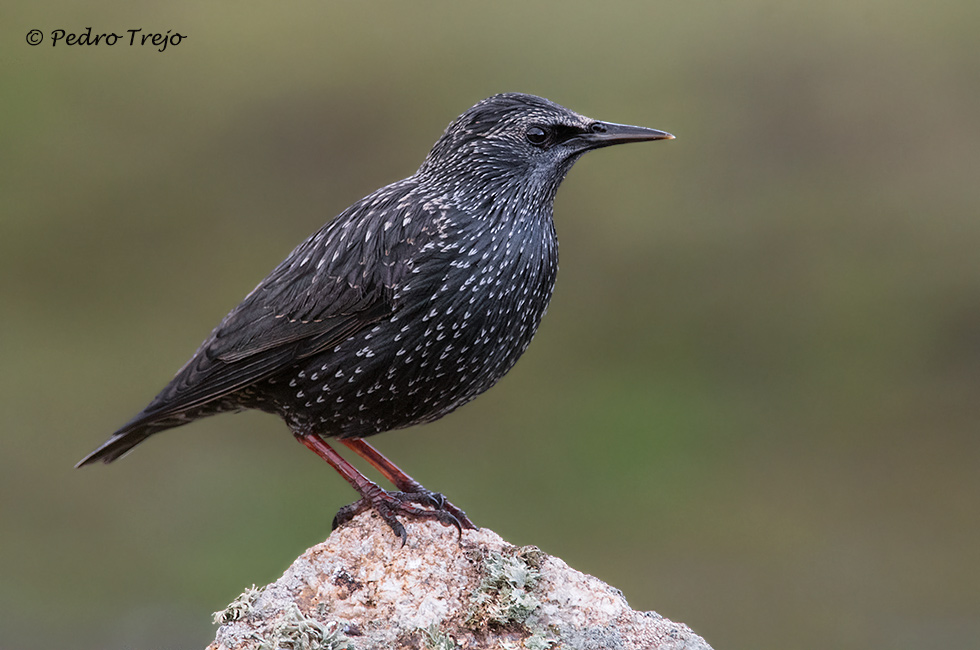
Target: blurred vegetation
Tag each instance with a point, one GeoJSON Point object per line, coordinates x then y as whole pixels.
{"type": "Point", "coordinates": [753, 404]}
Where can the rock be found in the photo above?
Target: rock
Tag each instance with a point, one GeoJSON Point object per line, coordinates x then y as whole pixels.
{"type": "Point", "coordinates": [362, 590]}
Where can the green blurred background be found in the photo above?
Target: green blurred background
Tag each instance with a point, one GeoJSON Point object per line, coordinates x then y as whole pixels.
{"type": "Point", "coordinates": [753, 405]}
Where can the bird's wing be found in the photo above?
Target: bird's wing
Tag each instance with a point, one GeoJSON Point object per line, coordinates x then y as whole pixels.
{"type": "Point", "coordinates": [237, 358]}
{"type": "Point", "coordinates": [337, 282]}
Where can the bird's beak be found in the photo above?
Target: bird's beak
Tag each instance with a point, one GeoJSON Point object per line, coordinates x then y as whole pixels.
{"type": "Point", "coordinates": [604, 134]}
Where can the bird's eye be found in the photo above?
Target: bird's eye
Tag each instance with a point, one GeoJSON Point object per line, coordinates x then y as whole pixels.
{"type": "Point", "coordinates": [536, 135]}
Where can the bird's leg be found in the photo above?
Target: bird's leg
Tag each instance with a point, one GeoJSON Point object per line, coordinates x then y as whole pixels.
{"type": "Point", "coordinates": [372, 496]}
{"type": "Point", "coordinates": [411, 489]}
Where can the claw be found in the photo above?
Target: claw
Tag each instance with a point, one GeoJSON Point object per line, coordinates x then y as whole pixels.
{"type": "Point", "coordinates": [439, 503]}
{"type": "Point", "coordinates": [390, 504]}
{"type": "Point", "coordinates": [348, 512]}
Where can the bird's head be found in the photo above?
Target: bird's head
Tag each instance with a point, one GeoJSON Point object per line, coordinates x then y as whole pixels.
{"type": "Point", "coordinates": [519, 141]}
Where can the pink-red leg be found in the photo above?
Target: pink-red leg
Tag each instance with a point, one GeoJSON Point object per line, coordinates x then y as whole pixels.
{"type": "Point", "coordinates": [403, 481]}
{"type": "Point", "coordinates": [387, 505]}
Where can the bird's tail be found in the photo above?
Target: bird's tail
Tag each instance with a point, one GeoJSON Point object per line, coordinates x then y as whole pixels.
{"type": "Point", "coordinates": [131, 434]}
{"type": "Point", "coordinates": [117, 445]}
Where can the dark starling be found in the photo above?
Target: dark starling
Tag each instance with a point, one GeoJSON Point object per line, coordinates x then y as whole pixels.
{"type": "Point", "coordinates": [407, 305]}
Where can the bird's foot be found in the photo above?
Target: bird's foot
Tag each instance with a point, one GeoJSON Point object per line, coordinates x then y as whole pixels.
{"type": "Point", "coordinates": [390, 504]}
{"type": "Point", "coordinates": [436, 500]}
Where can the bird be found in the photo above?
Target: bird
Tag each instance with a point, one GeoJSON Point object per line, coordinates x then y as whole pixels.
{"type": "Point", "coordinates": [408, 304]}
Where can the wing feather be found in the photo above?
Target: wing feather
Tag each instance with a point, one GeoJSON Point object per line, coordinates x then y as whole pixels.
{"type": "Point", "coordinates": [339, 281]}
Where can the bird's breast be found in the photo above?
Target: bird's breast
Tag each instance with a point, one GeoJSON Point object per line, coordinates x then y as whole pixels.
{"type": "Point", "coordinates": [487, 300]}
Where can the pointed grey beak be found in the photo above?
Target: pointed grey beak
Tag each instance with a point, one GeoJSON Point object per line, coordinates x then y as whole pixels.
{"type": "Point", "coordinates": [604, 134]}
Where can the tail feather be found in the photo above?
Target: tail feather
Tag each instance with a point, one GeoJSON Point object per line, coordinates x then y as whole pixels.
{"type": "Point", "coordinates": [133, 433]}
{"type": "Point", "coordinates": [116, 446]}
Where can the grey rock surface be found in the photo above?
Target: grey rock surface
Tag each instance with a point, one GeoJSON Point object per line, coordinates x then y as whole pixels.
{"type": "Point", "coordinates": [362, 590]}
